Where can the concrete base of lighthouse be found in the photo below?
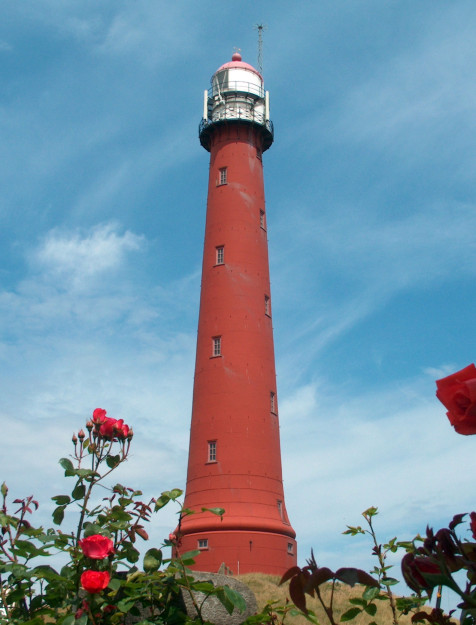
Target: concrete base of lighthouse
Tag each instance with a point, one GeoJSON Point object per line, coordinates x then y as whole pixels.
{"type": "Point", "coordinates": [240, 551]}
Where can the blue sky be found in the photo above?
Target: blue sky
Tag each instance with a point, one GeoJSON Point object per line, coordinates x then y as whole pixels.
{"type": "Point", "coordinates": [370, 189]}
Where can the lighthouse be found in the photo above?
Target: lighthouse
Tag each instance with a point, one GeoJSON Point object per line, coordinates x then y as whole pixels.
{"type": "Point", "coordinates": [234, 456]}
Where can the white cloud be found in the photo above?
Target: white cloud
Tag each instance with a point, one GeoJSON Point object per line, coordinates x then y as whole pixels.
{"type": "Point", "coordinates": [75, 259]}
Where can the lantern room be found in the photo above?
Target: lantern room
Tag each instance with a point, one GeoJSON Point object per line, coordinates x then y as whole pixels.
{"type": "Point", "coordinates": [237, 95]}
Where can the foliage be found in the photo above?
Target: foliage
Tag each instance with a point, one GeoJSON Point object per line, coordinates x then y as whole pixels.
{"type": "Point", "coordinates": [100, 582]}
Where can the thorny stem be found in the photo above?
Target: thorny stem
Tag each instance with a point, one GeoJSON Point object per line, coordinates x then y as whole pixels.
{"type": "Point", "coordinates": [328, 610]}
{"type": "Point", "coordinates": [5, 605]}
{"type": "Point", "coordinates": [198, 608]}
{"type": "Point", "coordinates": [381, 559]}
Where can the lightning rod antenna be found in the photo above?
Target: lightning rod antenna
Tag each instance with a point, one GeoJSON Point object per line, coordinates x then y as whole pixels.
{"type": "Point", "coordinates": [260, 28]}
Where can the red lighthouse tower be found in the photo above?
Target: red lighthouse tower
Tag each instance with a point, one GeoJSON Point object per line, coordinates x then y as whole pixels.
{"type": "Point", "coordinates": [234, 457]}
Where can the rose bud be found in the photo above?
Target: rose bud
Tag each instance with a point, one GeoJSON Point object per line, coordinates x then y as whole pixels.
{"type": "Point", "coordinates": [74, 439]}
{"type": "Point", "coordinates": [172, 538]}
{"type": "Point", "coordinates": [81, 435]}
{"type": "Point", "coordinates": [89, 425]}
{"type": "Point", "coordinates": [417, 572]}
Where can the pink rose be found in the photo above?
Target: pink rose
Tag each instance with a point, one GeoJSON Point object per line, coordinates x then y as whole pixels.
{"type": "Point", "coordinates": [97, 547]}
{"type": "Point", "coordinates": [95, 581]}
{"type": "Point", "coordinates": [457, 393]}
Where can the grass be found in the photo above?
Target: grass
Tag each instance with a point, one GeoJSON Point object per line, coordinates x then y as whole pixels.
{"type": "Point", "coordinates": [265, 588]}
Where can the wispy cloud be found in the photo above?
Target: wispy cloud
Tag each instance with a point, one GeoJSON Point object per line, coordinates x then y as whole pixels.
{"type": "Point", "coordinates": [75, 261]}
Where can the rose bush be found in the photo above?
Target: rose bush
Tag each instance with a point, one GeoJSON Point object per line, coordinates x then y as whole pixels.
{"type": "Point", "coordinates": [457, 392]}
{"type": "Point", "coordinates": [101, 582]}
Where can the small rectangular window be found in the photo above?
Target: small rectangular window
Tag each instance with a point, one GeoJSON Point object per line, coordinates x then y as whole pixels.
{"type": "Point", "coordinates": [280, 508]}
{"type": "Point", "coordinates": [262, 220]}
{"type": "Point", "coordinates": [290, 548]}
{"type": "Point", "coordinates": [202, 543]}
{"type": "Point", "coordinates": [220, 259]}
{"type": "Point", "coordinates": [216, 346]}
{"type": "Point", "coordinates": [222, 175]}
{"type": "Point", "coordinates": [272, 397]}
{"type": "Point", "coordinates": [212, 451]}
{"type": "Point", "coordinates": [267, 306]}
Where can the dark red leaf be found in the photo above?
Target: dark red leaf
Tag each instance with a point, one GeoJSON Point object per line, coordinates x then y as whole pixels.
{"type": "Point", "coordinates": [294, 570]}
{"type": "Point", "coordinates": [296, 592]}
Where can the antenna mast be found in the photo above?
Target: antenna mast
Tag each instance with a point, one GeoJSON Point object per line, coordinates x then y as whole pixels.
{"type": "Point", "coordinates": [260, 28]}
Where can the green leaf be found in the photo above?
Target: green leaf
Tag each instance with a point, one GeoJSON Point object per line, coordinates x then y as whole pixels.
{"type": "Point", "coordinates": [389, 581]}
{"type": "Point", "coordinates": [69, 620]}
{"type": "Point", "coordinates": [61, 500]}
{"type": "Point", "coordinates": [350, 614]}
{"type": "Point", "coordinates": [88, 473]}
{"type": "Point", "coordinates": [126, 604]}
{"type": "Point", "coordinates": [152, 560]}
{"type": "Point", "coordinates": [91, 528]}
{"type": "Point", "coordinates": [58, 515]}
{"type": "Point", "coordinates": [353, 576]}
{"type": "Point", "coordinates": [79, 491]}
{"type": "Point", "coordinates": [224, 600]}
{"type": "Point", "coordinates": [358, 601]}
{"type": "Point", "coordinates": [353, 531]}
{"type": "Point", "coordinates": [217, 511]}
{"type": "Point", "coordinates": [114, 584]}
{"type": "Point", "coordinates": [371, 609]}
{"type": "Point", "coordinates": [113, 461]}
{"type": "Point", "coordinates": [370, 593]}
{"type": "Point", "coordinates": [235, 598]}
{"type": "Point", "coordinates": [66, 464]}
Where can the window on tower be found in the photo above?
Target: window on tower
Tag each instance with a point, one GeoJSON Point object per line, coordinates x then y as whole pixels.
{"type": "Point", "coordinates": [216, 346]}
{"type": "Point", "coordinates": [222, 177]}
{"type": "Point", "coordinates": [290, 549]}
{"type": "Point", "coordinates": [280, 509]}
{"type": "Point", "coordinates": [267, 305]}
{"type": "Point", "coordinates": [262, 220]}
{"type": "Point", "coordinates": [272, 398]}
{"type": "Point", "coordinates": [212, 451]}
{"type": "Point", "coordinates": [202, 543]}
{"type": "Point", "coordinates": [220, 255]}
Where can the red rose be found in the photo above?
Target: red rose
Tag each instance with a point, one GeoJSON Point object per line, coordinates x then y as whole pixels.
{"type": "Point", "coordinates": [99, 415]}
{"type": "Point", "coordinates": [121, 429]}
{"type": "Point", "coordinates": [457, 393]}
{"type": "Point", "coordinates": [107, 428]}
{"type": "Point", "coordinates": [95, 581]}
{"type": "Point", "coordinates": [472, 524]}
{"type": "Point", "coordinates": [97, 547]}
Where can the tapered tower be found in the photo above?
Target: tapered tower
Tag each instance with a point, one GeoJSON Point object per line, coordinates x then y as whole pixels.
{"type": "Point", "coordinates": [234, 457]}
